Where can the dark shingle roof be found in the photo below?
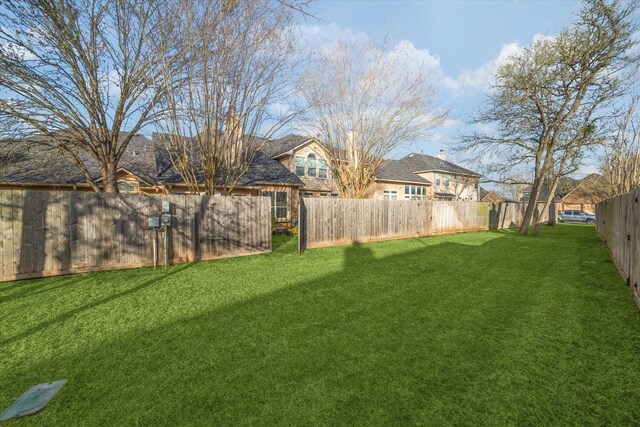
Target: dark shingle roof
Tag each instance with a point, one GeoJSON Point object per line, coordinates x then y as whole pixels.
{"type": "Point", "coordinates": [275, 147]}
{"type": "Point", "coordinates": [397, 170]}
{"type": "Point", "coordinates": [263, 169]}
{"type": "Point", "coordinates": [138, 159]}
{"type": "Point", "coordinates": [266, 170]}
{"type": "Point", "coordinates": [422, 162]}
{"type": "Point", "coordinates": [40, 164]}
{"type": "Point", "coordinates": [147, 159]}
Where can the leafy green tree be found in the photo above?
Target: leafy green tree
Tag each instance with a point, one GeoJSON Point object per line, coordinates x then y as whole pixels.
{"type": "Point", "coordinates": [551, 101]}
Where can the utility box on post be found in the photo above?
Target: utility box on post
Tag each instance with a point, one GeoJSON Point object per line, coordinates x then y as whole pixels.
{"type": "Point", "coordinates": [165, 219]}
{"type": "Point", "coordinates": [154, 222]}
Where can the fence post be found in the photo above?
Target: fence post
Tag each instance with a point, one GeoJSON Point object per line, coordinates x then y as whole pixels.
{"type": "Point", "coordinates": [302, 225]}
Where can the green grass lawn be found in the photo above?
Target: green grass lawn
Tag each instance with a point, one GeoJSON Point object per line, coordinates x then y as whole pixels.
{"type": "Point", "coordinates": [484, 327]}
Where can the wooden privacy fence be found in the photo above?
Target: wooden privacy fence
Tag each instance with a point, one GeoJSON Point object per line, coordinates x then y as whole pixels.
{"type": "Point", "coordinates": [617, 224]}
{"type": "Point", "coordinates": [329, 222]}
{"type": "Point", "coordinates": [62, 232]}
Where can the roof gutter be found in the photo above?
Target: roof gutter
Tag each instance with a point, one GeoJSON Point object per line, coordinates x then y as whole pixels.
{"type": "Point", "coordinates": [425, 182]}
{"type": "Point", "coordinates": [473, 174]}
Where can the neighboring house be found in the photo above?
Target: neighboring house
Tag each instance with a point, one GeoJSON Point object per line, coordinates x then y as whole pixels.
{"type": "Point", "coordinates": [396, 181]}
{"type": "Point", "coordinates": [525, 192]}
{"type": "Point", "coordinates": [146, 168]}
{"type": "Point", "coordinates": [490, 196]}
{"type": "Point", "coordinates": [38, 167]}
{"type": "Point", "coordinates": [444, 180]}
{"type": "Point", "coordinates": [584, 195]}
{"type": "Point", "coordinates": [414, 177]}
{"type": "Point", "coordinates": [305, 158]}
{"type": "Point", "coordinates": [572, 194]}
{"type": "Point", "coordinates": [284, 169]}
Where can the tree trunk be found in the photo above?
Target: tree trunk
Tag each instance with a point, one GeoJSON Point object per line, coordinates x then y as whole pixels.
{"type": "Point", "coordinates": [547, 204]}
{"type": "Point", "coordinates": [553, 214]}
{"type": "Point", "coordinates": [110, 178]}
{"type": "Point", "coordinates": [531, 206]}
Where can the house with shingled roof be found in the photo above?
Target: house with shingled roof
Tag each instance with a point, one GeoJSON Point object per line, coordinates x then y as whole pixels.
{"type": "Point", "coordinates": [414, 177]}
{"type": "Point", "coordinates": [284, 169]}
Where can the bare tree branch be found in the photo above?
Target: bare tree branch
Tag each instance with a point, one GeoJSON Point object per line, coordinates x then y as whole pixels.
{"type": "Point", "coordinates": [236, 84]}
{"type": "Point", "coordinates": [78, 74]}
{"type": "Point", "coordinates": [550, 101]}
{"type": "Point", "coordinates": [364, 100]}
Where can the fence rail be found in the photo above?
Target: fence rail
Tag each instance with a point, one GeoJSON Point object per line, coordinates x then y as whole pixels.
{"type": "Point", "coordinates": [330, 222]}
{"type": "Point", "coordinates": [617, 224]}
{"type": "Point", "coordinates": [46, 233]}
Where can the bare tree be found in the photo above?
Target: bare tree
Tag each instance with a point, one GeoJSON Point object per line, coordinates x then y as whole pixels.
{"type": "Point", "coordinates": [463, 183]}
{"type": "Point", "coordinates": [511, 191]}
{"type": "Point", "coordinates": [364, 101]}
{"type": "Point", "coordinates": [235, 86]}
{"type": "Point", "coordinates": [77, 74]}
{"type": "Point", "coordinates": [621, 165]}
{"type": "Point", "coordinates": [550, 100]}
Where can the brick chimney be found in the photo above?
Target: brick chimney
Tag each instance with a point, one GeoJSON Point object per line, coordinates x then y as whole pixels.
{"type": "Point", "coordinates": [442, 156]}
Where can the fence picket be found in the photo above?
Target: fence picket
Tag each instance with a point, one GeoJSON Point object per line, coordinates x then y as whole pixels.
{"type": "Point", "coordinates": [52, 233]}
{"type": "Point", "coordinates": [329, 221]}
{"type": "Point", "coordinates": [617, 225]}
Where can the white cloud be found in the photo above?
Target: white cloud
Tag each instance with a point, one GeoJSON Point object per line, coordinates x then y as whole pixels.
{"type": "Point", "coordinates": [18, 51]}
{"type": "Point", "coordinates": [112, 83]}
{"type": "Point", "coordinates": [484, 128]}
{"type": "Point", "coordinates": [451, 124]}
{"type": "Point", "coordinates": [468, 82]}
{"type": "Point", "coordinates": [471, 81]}
{"type": "Point", "coordinates": [312, 37]}
{"type": "Point", "coordinates": [324, 38]}
{"type": "Point", "coordinates": [15, 49]}
{"type": "Point", "coordinates": [406, 50]}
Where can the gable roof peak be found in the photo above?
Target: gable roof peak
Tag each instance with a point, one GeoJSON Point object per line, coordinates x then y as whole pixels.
{"type": "Point", "coordinates": [419, 162]}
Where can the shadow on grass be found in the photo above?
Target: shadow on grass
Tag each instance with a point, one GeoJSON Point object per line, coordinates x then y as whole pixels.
{"type": "Point", "coordinates": [67, 315]}
{"type": "Point", "coordinates": [27, 288]}
{"type": "Point", "coordinates": [284, 243]}
{"type": "Point", "coordinates": [444, 334]}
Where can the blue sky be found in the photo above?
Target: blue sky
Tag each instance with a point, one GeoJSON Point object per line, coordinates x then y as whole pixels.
{"type": "Point", "coordinates": [464, 41]}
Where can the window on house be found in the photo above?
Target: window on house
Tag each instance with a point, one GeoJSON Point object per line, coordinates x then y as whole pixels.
{"type": "Point", "coordinates": [125, 187]}
{"type": "Point", "coordinates": [447, 180]}
{"type": "Point", "coordinates": [300, 166]}
{"type": "Point", "coordinates": [322, 169]}
{"type": "Point", "coordinates": [281, 204]}
{"type": "Point", "coordinates": [437, 179]}
{"type": "Point", "coordinates": [278, 203]}
{"type": "Point", "coordinates": [390, 195]}
{"type": "Point", "coordinates": [311, 165]}
{"type": "Point", "coordinates": [415, 192]}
